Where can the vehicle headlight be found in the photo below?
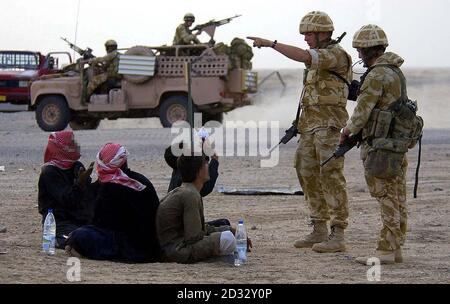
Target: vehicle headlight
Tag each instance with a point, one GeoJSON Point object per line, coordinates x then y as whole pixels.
{"type": "Point", "coordinates": [23, 84]}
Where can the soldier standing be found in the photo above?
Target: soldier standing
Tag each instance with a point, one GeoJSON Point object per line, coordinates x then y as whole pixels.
{"type": "Point", "coordinates": [109, 64]}
{"type": "Point", "coordinates": [384, 170]}
{"type": "Point", "coordinates": [183, 35]}
{"type": "Point", "coordinates": [323, 114]}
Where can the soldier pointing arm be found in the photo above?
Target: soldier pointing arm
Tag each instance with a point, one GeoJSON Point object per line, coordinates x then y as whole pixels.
{"type": "Point", "coordinates": [323, 115]}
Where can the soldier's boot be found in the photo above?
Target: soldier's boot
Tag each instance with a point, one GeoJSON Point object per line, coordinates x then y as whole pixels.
{"type": "Point", "coordinates": [398, 255]}
{"type": "Point", "coordinates": [334, 243]}
{"type": "Point", "coordinates": [319, 234]}
{"type": "Point", "coordinates": [385, 257]}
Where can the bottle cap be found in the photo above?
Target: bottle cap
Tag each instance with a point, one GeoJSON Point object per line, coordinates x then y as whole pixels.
{"type": "Point", "coordinates": [241, 221]}
{"type": "Point", "coordinates": [50, 210]}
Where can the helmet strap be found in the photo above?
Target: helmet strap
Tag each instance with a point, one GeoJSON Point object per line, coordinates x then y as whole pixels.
{"type": "Point", "coordinates": [321, 44]}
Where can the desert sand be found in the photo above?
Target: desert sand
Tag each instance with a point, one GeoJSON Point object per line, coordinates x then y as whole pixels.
{"type": "Point", "coordinates": [273, 222]}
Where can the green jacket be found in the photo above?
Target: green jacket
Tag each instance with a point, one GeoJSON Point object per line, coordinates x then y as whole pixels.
{"type": "Point", "coordinates": [111, 63]}
{"type": "Point", "coordinates": [184, 36]}
{"type": "Point", "coordinates": [181, 228]}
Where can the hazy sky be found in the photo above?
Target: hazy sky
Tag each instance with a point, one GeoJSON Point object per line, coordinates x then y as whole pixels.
{"type": "Point", "coordinates": [417, 30]}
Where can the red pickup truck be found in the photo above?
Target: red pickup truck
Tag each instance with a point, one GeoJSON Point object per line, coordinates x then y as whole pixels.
{"type": "Point", "coordinates": [18, 69]}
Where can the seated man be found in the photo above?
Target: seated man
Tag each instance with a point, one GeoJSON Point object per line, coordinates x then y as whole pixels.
{"type": "Point", "coordinates": [124, 220]}
{"type": "Point", "coordinates": [109, 64]}
{"type": "Point", "coordinates": [63, 185]}
{"type": "Point", "coordinates": [208, 187]}
{"type": "Point", "coordinates": [183, 35]}
{"type": "Point", "coordinates": [181, 228]}
{"type": "Point", "coordinates": [175, 180]}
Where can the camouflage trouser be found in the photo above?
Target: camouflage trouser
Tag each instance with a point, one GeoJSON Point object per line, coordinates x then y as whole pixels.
{"type": "Point", "coordinates": [324, 187]}
{"type": "Point", "coordinates": [391, 194]}
{"type": "Point", "coordinates": [95, 82]}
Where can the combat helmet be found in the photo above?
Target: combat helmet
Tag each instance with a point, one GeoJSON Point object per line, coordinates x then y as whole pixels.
{"type": "Point", "coordinates": [189, 17]}
{"type": "Point", "coordinates": [316, 21]}
{"type": "Point", "coordinates": [110, 43]}
{"type": "Point", "coordinates": [368, 36]}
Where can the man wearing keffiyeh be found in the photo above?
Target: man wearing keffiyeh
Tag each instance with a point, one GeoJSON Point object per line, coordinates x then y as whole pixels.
{"type": "Point", "coordinates": [125, 209]}
{"type": "Point", "coordinates": [63, 185]}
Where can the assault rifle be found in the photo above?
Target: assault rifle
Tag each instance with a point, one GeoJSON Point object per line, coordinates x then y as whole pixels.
{"type": "Point", "coordinates": [210, 26]}
{"type": "Point", "coordinates": [87, 53]}
{"type": "Point", "coordinates": [346, 146]}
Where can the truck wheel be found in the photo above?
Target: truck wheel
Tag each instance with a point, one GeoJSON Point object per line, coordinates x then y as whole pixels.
{"type": "Point", "coordinates": [52, 113]}
{"type": "Point", "coordinates": [140, 51]}
{"type": "Point", "coordinates": [84, 124]}
{"type": "Point", "coordinates": [173, 109]}
{"type": "Point", "coordinates": [207, 117]}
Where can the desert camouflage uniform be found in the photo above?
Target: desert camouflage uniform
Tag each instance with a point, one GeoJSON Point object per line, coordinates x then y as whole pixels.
{"type": "Point", "coordinates": [184, 36]}
{"type": "Point", "coordinates": [111, 63]}
{"type": "Point", "coordinates": [323, 115]}
{"type": "Point", "coordinates": [381, 88]}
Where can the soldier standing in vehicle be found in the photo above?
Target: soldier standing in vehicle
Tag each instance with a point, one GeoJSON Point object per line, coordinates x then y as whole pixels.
{"type": "Point", "coordinates": [109, 64]}
{"type": "Point", "coordinates": [384, 170]}
{"type": "Point", "coordinates": [323, 115]}
{"type": "Point", "coordinates": [183, 35]}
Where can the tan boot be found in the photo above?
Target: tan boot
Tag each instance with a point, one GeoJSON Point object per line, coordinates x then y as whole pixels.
{"type": "Point", "coordinates": [398, 255]}
{"type": "Point", "coordinates": [385, 257]}
{"type": "Point", "coordinates": [319, 234]}
{"type": "Point", "coordinates": [335, 242]}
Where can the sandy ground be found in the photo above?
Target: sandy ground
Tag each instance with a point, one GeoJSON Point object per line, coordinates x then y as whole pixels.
{"type": "Point", "coordinates": [274, 222]}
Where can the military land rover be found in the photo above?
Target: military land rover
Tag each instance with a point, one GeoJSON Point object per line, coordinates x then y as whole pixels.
{"type": "Point", "coordinates": [153, 84]}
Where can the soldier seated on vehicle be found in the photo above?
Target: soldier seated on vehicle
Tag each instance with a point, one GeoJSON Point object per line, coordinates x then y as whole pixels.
{"type": "Point", "coordinates": [109, 65]}
{"type": "Point", "coordinates": [183, 35]}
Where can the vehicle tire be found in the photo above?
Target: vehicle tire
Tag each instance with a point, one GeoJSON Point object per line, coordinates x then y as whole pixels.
{"type": "Point", "coordinates": [142, 51]}
{"type": "Point", "coordinates": [53, 113]}
{"type": "Point", "coordinates": [84, 124]}
{"type": "Point", "coordinates": [173, 109]}
{"type": "Point", "coordinates": [216, 117]}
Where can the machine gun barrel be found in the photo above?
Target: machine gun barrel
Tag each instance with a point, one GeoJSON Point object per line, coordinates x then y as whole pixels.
{"type": "Point", "coordinates": [200, 27]}
{"type": "Point", "coordinates": [87, 53]}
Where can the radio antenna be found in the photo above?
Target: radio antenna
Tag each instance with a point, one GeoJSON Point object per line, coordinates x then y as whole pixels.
{"type": "Point", "coordinates": [76, 26]}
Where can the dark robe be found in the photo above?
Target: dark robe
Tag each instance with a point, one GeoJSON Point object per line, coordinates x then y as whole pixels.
{"type": "Point", "coordinates": [123, 226]}
{"type": "Point", "coordinates": [58, 190]}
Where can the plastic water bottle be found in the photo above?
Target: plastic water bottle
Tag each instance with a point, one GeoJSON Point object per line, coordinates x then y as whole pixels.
{"type": "Point", "coordinates": [240, 255]}
{"type": "Point", "coordinates": [49, 233]}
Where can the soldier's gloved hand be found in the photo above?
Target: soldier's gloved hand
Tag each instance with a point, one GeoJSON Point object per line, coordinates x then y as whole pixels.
{"type": "Point", "coordinates": [83, 175]}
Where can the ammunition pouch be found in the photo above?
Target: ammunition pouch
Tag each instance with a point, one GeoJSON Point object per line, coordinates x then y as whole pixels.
{"type": "Point", "coordinates": [379, 124]}
{"type": "Point", "coordinates": [406, 125]}
{"type": "Point", "coordinates": [384, 164]}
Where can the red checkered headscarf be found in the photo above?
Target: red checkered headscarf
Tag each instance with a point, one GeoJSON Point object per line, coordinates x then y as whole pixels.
{"type": "Point", "coordinates": [109, 160]}
{"type": "Point", "coordinates": [62, 150]}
